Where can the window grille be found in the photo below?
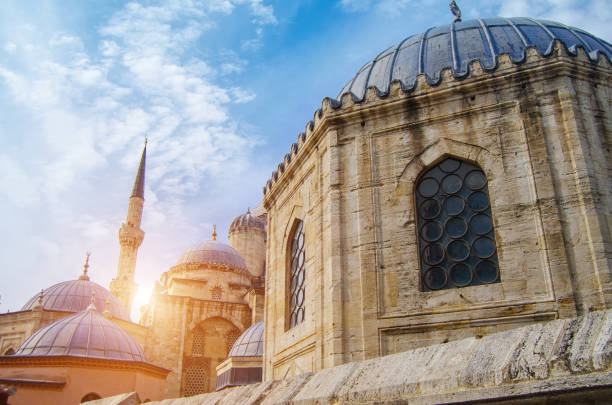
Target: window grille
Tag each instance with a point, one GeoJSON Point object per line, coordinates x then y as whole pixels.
{"type": "Point", "coordinates": [197, 348]}
{"type": "Point", "coordinates": [216, 293]}
{"type": "Point", "coordinates": [296, 276]}
{"type": "Point", "coordinates": [455, 227]}
{"type": "Point", "coordinates": [195, 380]}
{"type": "Point", "coordinates": [230, 339]}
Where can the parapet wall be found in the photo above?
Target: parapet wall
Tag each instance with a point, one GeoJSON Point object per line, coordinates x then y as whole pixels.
{"type": "Point", "coordinates": [567, 361]}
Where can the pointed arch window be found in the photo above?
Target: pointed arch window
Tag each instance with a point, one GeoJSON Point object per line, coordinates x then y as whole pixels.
{"type": "Point", "coordinates": [455, 227]}
{"type": "Point", "coordinates": [297, 270]}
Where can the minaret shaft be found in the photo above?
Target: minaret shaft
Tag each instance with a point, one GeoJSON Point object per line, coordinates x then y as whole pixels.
{"type": "Point", "coordinates": [130, 238]}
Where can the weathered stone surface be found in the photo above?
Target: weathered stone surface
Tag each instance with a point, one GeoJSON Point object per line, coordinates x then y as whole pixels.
{"type": "Point", "coordinates": [130, 398]}
{"type": "Point", "coordinates": [563, 360]}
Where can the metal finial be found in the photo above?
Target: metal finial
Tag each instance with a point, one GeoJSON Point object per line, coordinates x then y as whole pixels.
{"type": "Point", "coordinates": [214, 235]}
{"type": "Point", "coordinates": [92, 305]}
{"type": "Point", "coordinates": [84, 276]}
{"type": "Point", "coordinates": [249, 210]}
{"type": "Point", "coordinates": [454, 8]}
{"type": "Point", "coordinates": [146, 139]}
{"type": "Point", "coordinates": [40, 297]}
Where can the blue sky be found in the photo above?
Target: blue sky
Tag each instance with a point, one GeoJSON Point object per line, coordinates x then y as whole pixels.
{"type": "Point", "coordinates": [221, 87]}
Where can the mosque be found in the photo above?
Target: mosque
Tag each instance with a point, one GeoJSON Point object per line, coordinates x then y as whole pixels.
{"type": "Point", "coordinates": [449, 212]}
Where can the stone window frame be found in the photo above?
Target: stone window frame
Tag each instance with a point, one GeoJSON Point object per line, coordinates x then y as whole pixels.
{"type": "Point", "coordinates": [449, 273]}
{"type": "Point", "coordinates": [296, 223]}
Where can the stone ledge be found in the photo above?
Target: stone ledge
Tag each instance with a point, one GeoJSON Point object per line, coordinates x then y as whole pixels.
{"type": "Point", "coordinates": [564, 360]}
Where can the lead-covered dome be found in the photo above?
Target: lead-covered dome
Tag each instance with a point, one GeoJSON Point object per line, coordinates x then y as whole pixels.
{"type": "Point", "coordinates": [85, 334]}
{"type": "Point", "coordinates": [250, 343]}
{"type": "Point", "coordinates": [75, 296]}
{"type": "Point", "coordinates": [212, 252]}
{"type": "Point", "coordinates": [247, 220]}
{"type": "Point", "coordinates": [455, 45]}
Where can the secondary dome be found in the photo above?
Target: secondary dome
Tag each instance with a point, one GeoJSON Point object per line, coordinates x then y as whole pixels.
{"type": "Point", "coordinates": [75, 296]}
{"type": "Point", "coordinates": [85, 334]}
{"type": "Point", "coordinates": [212, 252]}
{"type": "Point", "coordinates": [250, 343]}
{"type": "Point", "coordinates": [455, 45]}
{"type": "Point", "coordinates": [247, 220]}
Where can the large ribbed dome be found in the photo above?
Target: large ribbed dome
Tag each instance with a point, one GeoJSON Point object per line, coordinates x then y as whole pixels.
{"type": "Point", "coordinates": [247, 220]}
{"type": "Point", "coordinates": [212, 252]}
{"type": "Point", "coordinates": [455, 45]}
{"type": "Point", "coordinates": [75, 296]}
{"type": "Point", "coordinates": [250, 343]}
{"type": "Point", "coordinates": [85, 334]}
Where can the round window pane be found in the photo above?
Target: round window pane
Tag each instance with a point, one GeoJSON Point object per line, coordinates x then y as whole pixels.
{"type": "Point", "coordinates": [460, 274]}
{"type": "Point", "coordinates": [435, 278]}
{"type": "Point", "coordinates": [300, 278]}
{"type": "Point", "coordinates": [293, 248]}
{"type": "Point", "coordinates": [433, 254]}
{"type": "Point", "coordinates": [478, 201]}
{"type": "Point", "coordinates": [428, 187]}
{"type": "Point", "coordinates": [430, 209]}
{"type": "Point", "coordinates": [450, 165]}
{"type": "Point", "coordinates": [300, 298]}
{"type": "Point", "coordinates": [293, 301]}
{"type": "Point", "coordinates": [451, 183]}
{"type": "Point", "coordinates": [454, 205]}
{"type": "Point", "coordinates": [300, 315]}
{"type": "Point", "coordinates": [293, 283]}
{"type": "Point", "coordinates": [301, 241]}
{"type": "Point", "coordinates": [432, 231]}
{"type": "Point", "coordinates": [458, 250]}
{"type": "Point", "coordinates": [481, 224]}
{"type": "Point", "coordinates": [475, 180]}
{"type": "Point", "coordinates": [486, 271]}
{"type": "Point", "coordinates": [484, 247]}
{"type": "Point", "coordinates": [456, 227]}
{"type": "Point", "coordinates": [293, 265]}
{"type": "Point", "coordinates": [300, 259]}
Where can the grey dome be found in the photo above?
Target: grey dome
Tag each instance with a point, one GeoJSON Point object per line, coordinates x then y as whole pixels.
{"type": "Point", "coordinates": [247, 220]}
{"type": "Point", "coordinates": [85, 334]}
{"type": "Point", "coordinates": [75, 296]}
{"type": "Point", "coordinates": [212, 252]}
{"type": "Point", "coordinates": [250, 343]}
{"type": "Point", "coordinates": [455, 45]}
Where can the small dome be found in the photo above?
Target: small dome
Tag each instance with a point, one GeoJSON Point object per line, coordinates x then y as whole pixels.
{"type": "Point", "coordinates": [85, 334]}
{"type": "Point", "coordinates": [250, 343]}
{"type": "Point", "coordinates": [247, 220]}
{"type": "Point", "coordinates": [455, 45]}
{"type": "Point", "coordinates": [75, 296]}
{"type": "Point", "coordinates": [212, 252]}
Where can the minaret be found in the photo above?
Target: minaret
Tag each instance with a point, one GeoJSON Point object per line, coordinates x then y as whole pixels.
{"type": "Point", "coordinates": [130, 238]}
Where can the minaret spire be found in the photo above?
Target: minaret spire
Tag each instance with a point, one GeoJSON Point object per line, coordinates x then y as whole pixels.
{"type": "Point", "coordinates": [130, 238]}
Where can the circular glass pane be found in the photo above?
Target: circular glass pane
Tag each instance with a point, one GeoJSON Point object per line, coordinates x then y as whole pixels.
{"type": "Point", "coordinates": [484, 247]}
{"type": "Point", "coordinates": [433, 254]}
{"type": "Point", "coordinates": [293, 301]}
{"type": "Point", "coordinates": [486, 271]}
{"type": "Point", "coordinates": [451, 183]}
{"type": "Point", "coordinates": [455, 227]}
{"type": "Point", "coordinates": [293, 248]}
{"type": "Point", "coordinates": [300, 315]}
{"type": "Point", "coordinates": [475, 180]}
{"type": "Point", "coordinates": [293, 283]}
{"type": "Point", "coordinates": [454, 205]}
{"type": "Point", "coordinates": [428, 187]}
{"type": "Point", "coordinates": [478, 201]}
{"type": "Point", "coordinates": [300, 298]}
{"type": "Point", "coordinates": [435, 278]}
{"type": "Point", "coordinates": [430, 209]}
{"type": "Point", "coordinates": [300, 259]}
{"type": "Point", "coordinates": [293, 319]}
{"type": "Point", "coordinates": [450, 165]}
{"type": "Point", "coordinates": [301, 240]}
{"type": "Point", "coordinates": [432, 231]}
{"type": "Point", "coordinates": [481, 224]}
{"type": "Point", "coordinates": [458, 250]}
{"type": "Point", "coordinates": [300, 278]}
{"type": "Point", "coordinates": [460, 275]}
{"type": "Point", "coordinates": [293, 265]}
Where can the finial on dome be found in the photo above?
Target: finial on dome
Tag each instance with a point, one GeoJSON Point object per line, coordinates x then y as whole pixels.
{"type": "Point", "coordinates": [92, 306]}
{"type": "Point", "coordinates": [84, 276]}
{"type": "Point", "coordinates": [454, 8]}
{"type": "Point", "coordinates": [214, 234]}
{"type": "Point", "coordinates": [39, 304]}
{"type": "Point", "coordinates": [249, 210]}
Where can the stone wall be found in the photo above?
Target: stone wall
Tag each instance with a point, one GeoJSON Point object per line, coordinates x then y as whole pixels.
{"type": "Point", "coordinates": [541, 131]}
{"type": "Point", "coordinates": [565, 361]}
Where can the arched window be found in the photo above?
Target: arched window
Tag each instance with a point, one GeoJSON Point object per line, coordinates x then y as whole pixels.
{"type": "Point", "coordinates": [456, 237]}
{"type": "Point", "coordinates": [297, 266]}
{"type": "Point", "coordinates": [90, 397]}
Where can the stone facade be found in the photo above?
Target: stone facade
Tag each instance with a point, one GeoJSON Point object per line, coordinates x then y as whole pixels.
{"type": "Point", "coordinates": [541, 132]}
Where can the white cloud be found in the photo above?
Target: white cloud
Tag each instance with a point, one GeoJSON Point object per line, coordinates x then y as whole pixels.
{"type": "Point", "coordinates": [10, 47]}
{"type": "Point", "coordinates": [355, 5]}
